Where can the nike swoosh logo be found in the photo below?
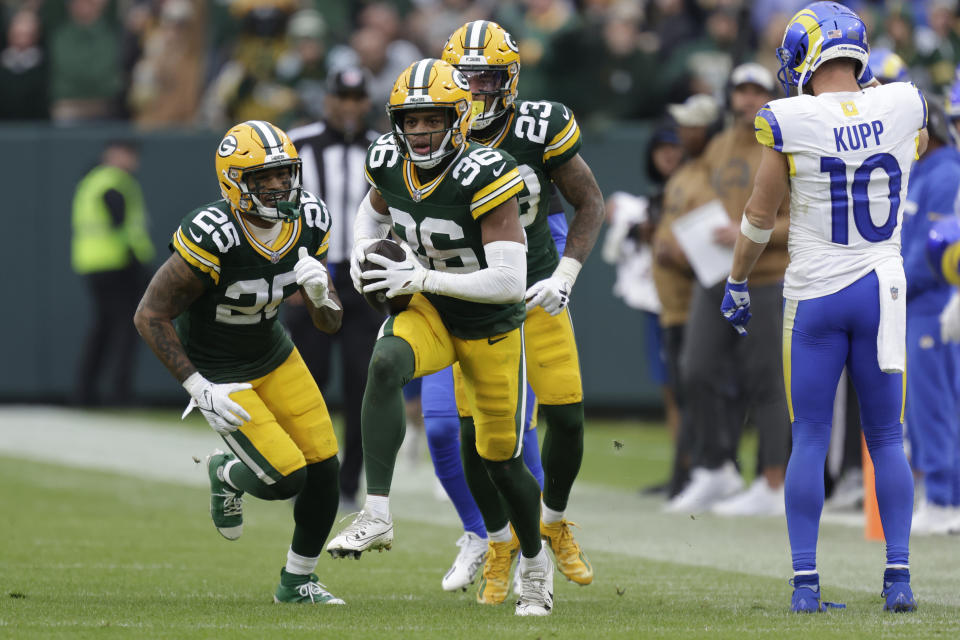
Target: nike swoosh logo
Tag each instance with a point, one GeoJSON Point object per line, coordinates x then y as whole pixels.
{"type": "Point", "coordinates": [195, 237]}
{"type": "Point", "coordinates": [495, 340]}
{"type": "Point", "coordinates": [499, 169]}
{"type": "Point", "coordinates": [404, 269]}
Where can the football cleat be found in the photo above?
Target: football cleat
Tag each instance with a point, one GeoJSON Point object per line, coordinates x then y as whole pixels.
{"type": "Point", "coordinates": [473, 551]}
{"type": "Point", "coordinates": [806, 596]}
{"type": "Point", "coordinates": [303, 589]}
{"type": "Point", "coordinates": [226, 503]}
{"type": "Point", "coordinates": [571, 560]}
{"type": "Point", "coordinates": [898, 597]}
{"type": "Point", "coordinates": [365, 533]}
{"type": "Point", "coordinates": [536, 590]}
{"type": "Point", "coordinates": [495, 582]}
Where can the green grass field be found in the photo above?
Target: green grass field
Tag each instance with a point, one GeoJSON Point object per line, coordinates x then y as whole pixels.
{"type": "Point", "coordinates": [131, 553]}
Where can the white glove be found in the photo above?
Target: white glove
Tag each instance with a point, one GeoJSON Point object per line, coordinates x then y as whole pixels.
{"type": "Point", "coordinates": [950, 320]}
{"type": "Point", "coordinates": [312, 276]}
{"type": "Point", "coordinates": [552, 294]}
{"type": "Point", "coordinates": [213, 400]}
{"type": "Point", "coordinates": [398, 278]}
{"type": "Point", "coordinates": [357, 256]}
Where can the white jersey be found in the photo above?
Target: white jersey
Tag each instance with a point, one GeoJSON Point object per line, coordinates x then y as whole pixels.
{"type": "Point", "coordinates": [850, 155]}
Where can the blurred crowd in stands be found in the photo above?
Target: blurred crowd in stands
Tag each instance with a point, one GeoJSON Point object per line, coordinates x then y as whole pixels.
{"type": "Point", "coordinates": [210, 63]}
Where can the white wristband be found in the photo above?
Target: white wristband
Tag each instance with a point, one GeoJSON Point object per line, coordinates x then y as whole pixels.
{"type": "Point", "coordinates": [194, 383]}
{"type": "Point", "coordinates": [568, 270]}
{"type": "Point", "coordinates": [756, 234]}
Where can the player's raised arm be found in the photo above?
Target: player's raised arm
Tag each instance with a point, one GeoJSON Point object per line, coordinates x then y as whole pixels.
{"type": "Point", "coordinates": [319, 295]}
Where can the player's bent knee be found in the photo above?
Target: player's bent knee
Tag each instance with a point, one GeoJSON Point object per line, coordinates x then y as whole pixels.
{"type": "Point", "coordinates": [496, 447]}
{"type": "Point", "coordinates": [391, 364]}
{"type": "Point", "coordinates": [289, 485]}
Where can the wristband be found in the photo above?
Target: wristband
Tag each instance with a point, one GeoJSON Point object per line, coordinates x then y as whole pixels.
{"type": "Point", "coordinates": [756, 234]}
{"type": "Point", "coordinates": [568, 270]}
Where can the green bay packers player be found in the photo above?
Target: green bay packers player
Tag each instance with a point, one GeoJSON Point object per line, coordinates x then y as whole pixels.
{"type": "Point", "coordinates": [453, 204]}
{"type": "Point", "coordinates": [210, 315]}
{"type": "Point", "coordinates": [545, 140]}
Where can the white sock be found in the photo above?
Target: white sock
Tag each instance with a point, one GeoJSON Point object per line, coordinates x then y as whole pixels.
{"type": "Point", "coordinates": [300, 565]}
{"type": "Point", "coordinates": [225, 473]}
{"type": "Point", "coordinates": [549, 515]}
{"type": "Point", "coordinates": [378, 507]}
{"type": "Point", "coordinates": [503, 535]}
{"type": "Point", "coordinates": [539, 561]}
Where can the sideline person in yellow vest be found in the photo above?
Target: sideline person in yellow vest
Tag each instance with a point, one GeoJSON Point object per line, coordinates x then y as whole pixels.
{"type": "Point", "coordinates": [111, 248]}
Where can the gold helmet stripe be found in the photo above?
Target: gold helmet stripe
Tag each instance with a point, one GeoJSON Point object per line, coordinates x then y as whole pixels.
{"type": "Point", "coordinates": [267, 136]}
{"type": "Point", "coordinates": [420, 77]}
{"type": "Point", "coordinates": [476, 35]}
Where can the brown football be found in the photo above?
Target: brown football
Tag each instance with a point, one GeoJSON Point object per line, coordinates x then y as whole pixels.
{"type": "Point", "coordinates": [378, 299]}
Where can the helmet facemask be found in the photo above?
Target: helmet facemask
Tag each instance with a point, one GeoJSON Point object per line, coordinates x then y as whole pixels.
{"type": "Point", "coordinates": [498, 80]}
{"type": "Point", "coordinates": [281, 205]}
{"type": "Point", "coordinates": [451, 137]}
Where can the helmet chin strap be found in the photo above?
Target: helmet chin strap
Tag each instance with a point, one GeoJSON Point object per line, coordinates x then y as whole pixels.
{"type": "Point", "coordinates": [807, 63]}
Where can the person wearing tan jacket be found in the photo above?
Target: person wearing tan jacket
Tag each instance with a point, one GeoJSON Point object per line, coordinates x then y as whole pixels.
{"type": "Point", "coordinates": [725, 376]}
{"type": "Point", "coordinates": [688, 188]}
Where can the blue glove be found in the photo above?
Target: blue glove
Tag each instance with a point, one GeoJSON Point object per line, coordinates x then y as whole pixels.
{"type": "Point", "coordinates": [736, 305]}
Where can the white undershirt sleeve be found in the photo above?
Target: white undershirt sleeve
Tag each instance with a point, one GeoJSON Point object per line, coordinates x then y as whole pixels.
{"type": "Point", "coordinates": [503, 281]}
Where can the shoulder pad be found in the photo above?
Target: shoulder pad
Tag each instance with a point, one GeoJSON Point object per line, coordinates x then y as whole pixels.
{"type": "Point", "coordinates": [491, 175]}
{"type": "Point", "coordinates": [382, 152]}
{"type": "Point", "coordinates": [204, 235]}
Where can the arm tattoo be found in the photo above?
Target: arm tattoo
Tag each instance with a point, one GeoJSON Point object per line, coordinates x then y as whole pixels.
{"type": "Point", "coordinates": [172, 290]}
{"type": "Point", "coordinates": [579, 187]}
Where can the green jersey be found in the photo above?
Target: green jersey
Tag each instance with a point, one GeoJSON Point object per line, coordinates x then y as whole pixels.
{"type": "Point", "coordinates": [440, 221]}
{"type": "Point", "coordinates": [230, 332]}
{"type": "Point", "coordinates": [541, 136]}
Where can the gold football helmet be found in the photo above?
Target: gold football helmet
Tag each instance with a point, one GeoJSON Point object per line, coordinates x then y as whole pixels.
{"type": "Point", "coordinates": [481, 47]}
{"type": "Point", "coordinates": [249, 147]}
{"type": "Point", "coordinates": [431, 84]}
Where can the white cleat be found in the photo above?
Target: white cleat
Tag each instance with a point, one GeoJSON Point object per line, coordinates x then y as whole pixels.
{"type": "Point", "coordinates": [759, 500]}
{"type": "Point", "coordinates": [365, 533]}
{"type": "Point", "coordinates": [932, 519]}
{"type": "Point", "coordinates": [706, 488]}
{"type": "Point", "coordinates": [517, 583]}
{"type": "Point", "coordinates": [467, 564]}
{"type": "Point", "coordinates": [536, 597]}
{"type": "Point", "coordinates": [847, 493]}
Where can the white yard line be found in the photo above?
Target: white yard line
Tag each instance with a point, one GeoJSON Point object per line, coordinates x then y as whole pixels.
{"type": "Point", "coordinates": [612, 520]}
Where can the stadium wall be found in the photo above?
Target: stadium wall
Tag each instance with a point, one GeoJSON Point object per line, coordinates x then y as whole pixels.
{"type": "Point", "coordinates": [45, 323]}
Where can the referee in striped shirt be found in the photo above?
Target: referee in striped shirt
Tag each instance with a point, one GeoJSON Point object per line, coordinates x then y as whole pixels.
{"type": "Point", "coordinates": [332, 152]}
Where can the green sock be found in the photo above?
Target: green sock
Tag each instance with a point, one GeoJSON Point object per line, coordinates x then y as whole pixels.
{"type": "Point", "coordinates": [562, 452]}
{"type": "Point", "coordinates": [521, 498]}
{"type": "Point", "coordinates": [382, 417]}
{"type": "Point", "coordinates": [316, 507]}
{"type": "Point", "coordinates": [484, 492]}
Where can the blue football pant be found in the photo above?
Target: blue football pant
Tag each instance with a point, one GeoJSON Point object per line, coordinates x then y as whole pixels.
{"type": "Point", "coordinates": [820, 336]}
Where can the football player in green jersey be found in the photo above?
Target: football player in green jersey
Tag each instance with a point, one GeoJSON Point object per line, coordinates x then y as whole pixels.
{"type": "Point", "coordinates": [210, 315]}
{"type": "Point", "coordinates": [545, 140]}
{"type": "Point", "coordinates": [453, 204]}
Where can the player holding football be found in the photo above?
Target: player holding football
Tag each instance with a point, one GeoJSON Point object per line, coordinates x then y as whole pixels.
{"type": "Point", "coordinates": [845, 154]}
{"type": "Point", "coordinates": [545, 140]}
{"type": "Point", "coordinates": [453, 203]}
{"type": "Point", "coordinates": [210, 315]}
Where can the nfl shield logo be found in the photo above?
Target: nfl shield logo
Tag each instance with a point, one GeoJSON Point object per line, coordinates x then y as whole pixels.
{"type": "Point", "coordinates": [417, 196]}
{"type": "Point", "coordinates": [894, 292]}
